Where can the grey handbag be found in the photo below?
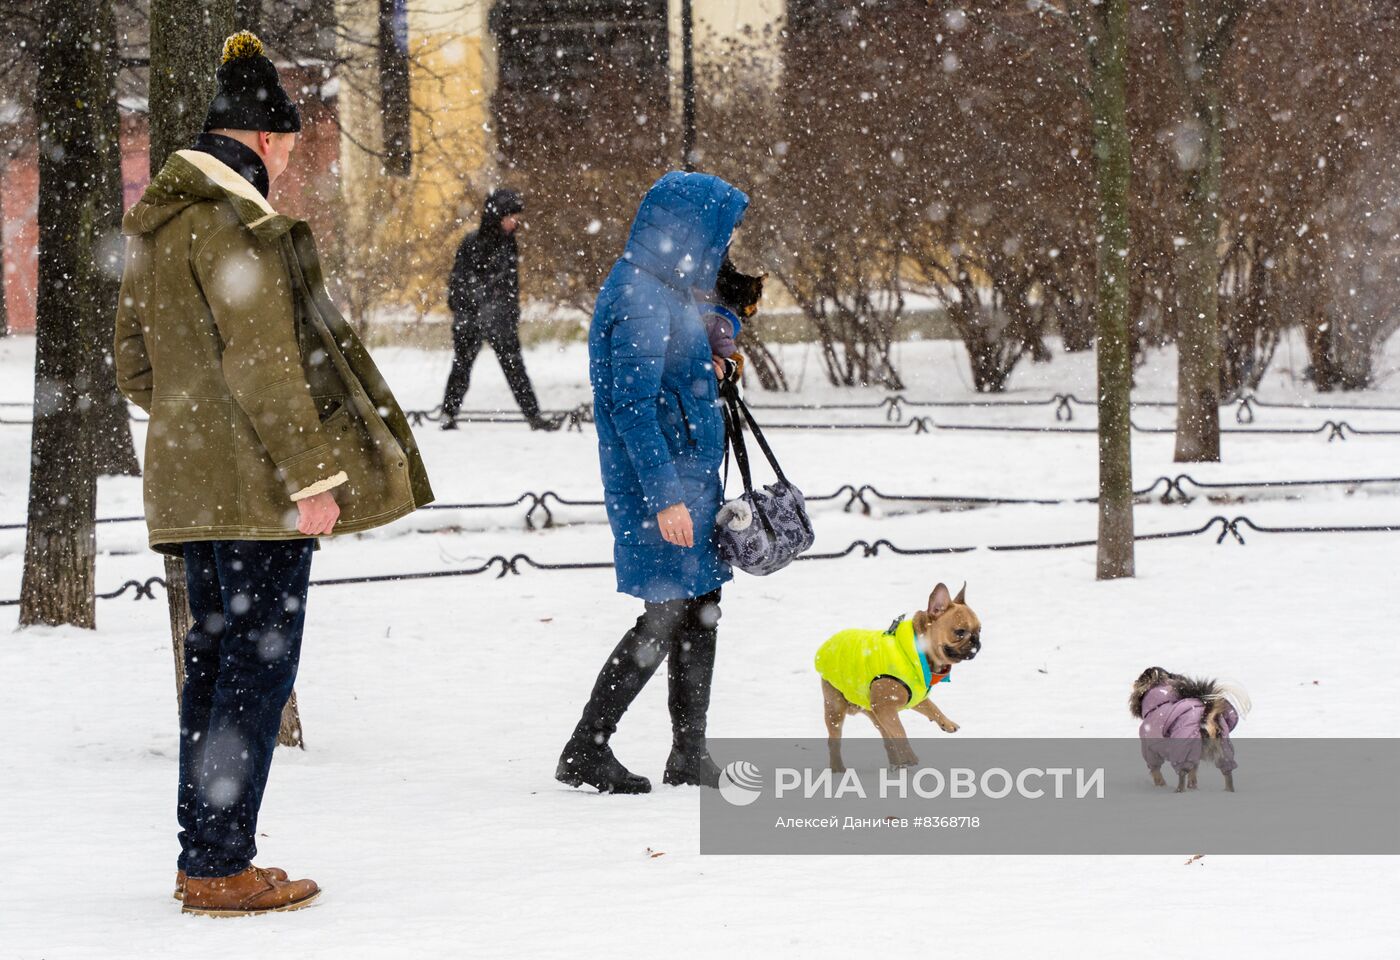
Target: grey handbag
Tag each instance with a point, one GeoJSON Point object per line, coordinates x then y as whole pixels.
{"type": "Point", "coordinates": [763, 530]}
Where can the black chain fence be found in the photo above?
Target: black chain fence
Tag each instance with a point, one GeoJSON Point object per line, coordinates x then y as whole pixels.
{"type": "Point", "coordinates": [503, 566]}
{"type": "Point", "coordinates": [1179, 489]}
{"type": "Point", "coordinates": [895, 405]}
{"type": "Point", "coordinates": [1329, 429]}
{"type": "Point", "coordinates": [894, 408]}
{"type": "Point", "coordinates": [1064, 404]}
{"type": "Point", "coordinates": [539, 514]}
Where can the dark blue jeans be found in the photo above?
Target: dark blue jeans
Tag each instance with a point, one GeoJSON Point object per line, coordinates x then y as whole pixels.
{"type": "Point", "coordinates": [248, 600]}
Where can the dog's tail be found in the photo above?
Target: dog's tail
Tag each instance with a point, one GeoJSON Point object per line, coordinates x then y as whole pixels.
{"type": "Point", "coordinates": [1223, 694]}
{"type": "Point", "coordinates": [1236, 695]}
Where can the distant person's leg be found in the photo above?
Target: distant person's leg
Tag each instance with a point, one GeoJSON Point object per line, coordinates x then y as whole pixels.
{"type": "Point", "coordinates": [506, 343]}
{"type": "Point", "coordinates": [466, 344]}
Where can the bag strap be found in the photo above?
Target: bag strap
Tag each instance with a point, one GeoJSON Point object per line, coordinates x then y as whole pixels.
{"type": "Point", "coordinates": [734, 430]}
{"type": "Point", "coordinates": [729, 429]}
{"type": "Point", "coordinates": [737, 402]}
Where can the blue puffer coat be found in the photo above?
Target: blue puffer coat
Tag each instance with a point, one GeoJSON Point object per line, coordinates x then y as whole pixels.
{"type": "Point", "coordinates": [660, 430]}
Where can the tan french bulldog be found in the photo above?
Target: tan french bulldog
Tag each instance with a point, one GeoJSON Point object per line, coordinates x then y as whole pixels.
{"type": "Point", "coordinates": [881, 673]}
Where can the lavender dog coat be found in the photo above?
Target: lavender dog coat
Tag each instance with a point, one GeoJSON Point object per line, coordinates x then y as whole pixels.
{"type": "Point", "coordinates": [1171, 731]}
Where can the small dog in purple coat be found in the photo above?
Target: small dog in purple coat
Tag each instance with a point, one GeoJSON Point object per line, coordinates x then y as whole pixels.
{"type": "Point", "coordinates": [1185, 720]}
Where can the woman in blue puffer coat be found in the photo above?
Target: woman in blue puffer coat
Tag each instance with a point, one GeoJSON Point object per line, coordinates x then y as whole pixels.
{"type": "Point", "coordinates": [661, 444]}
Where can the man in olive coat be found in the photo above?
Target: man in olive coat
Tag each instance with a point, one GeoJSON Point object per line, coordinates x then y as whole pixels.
{"type": "Point", "coordinates": [269, 426]}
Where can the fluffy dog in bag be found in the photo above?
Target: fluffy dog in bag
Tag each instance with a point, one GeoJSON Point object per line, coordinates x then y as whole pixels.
{"type": "Point", "coordinates": [1186, 720]}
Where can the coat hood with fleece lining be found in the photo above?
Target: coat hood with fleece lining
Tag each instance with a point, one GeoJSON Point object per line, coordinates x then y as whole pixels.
{"type": "Point", "coordinates": [683, 227]}
{"type": "Point", "coordinates": [190, 177]}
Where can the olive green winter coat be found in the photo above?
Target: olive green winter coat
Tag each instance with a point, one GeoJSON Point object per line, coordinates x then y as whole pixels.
{"type": "Point", "coordinates": [258, 391]}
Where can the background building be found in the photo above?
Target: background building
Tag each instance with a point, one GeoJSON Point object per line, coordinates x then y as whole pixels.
{"type": "Point", "coordinates": [441, 100]}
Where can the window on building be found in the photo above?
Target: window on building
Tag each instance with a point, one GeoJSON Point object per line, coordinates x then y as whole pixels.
{"type": "Point", "coordinates": [587, 76]}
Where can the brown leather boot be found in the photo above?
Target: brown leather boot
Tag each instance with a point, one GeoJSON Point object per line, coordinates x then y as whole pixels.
{"type": "Point", "coordinates": [276, 873]}
{"type": "Point", "coordinates": [246, 894]}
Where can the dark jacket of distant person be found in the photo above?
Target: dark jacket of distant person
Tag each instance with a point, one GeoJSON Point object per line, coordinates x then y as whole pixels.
{"type": "Point", "coordinates": [484, 287]}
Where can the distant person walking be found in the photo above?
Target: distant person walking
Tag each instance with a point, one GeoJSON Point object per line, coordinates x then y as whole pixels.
{"type": "Point", "coordinates": [483, 292]}
{"type": "Point", "coordinates": [269, 426]}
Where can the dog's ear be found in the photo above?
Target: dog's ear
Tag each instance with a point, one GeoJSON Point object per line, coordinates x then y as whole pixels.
{"type": "Point", "coordinates": [938, 601]}
{"type": "Point", "coordinates": [962, 594]}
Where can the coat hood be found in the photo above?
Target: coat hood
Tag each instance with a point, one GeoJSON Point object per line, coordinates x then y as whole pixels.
{"type": "Point", "coordinates": [190, 177]}
{"type": "Point", "coordinates": [736, 325]}
{"type": "Point", "coordinates": [1158, 697]}
{"type": "Point", "coordinates": [499, 205]}
{"type": "Point", "coordinates": [683, 227]}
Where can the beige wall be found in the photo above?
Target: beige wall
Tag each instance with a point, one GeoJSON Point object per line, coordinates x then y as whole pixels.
{"type": "Point", "coordinates": [452, 78]}
{"type": "Point", "coordinates": [727, 17]}
{"type": "Point", "coordinates": [401, 231]}
{"type": "Point", "coordinates": [715, 21]}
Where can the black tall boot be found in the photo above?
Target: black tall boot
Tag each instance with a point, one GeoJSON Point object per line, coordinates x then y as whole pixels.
{"type": "Point", "coordinates": [690, 670]}
{"type": "Point", "coordinates": [587, 758]}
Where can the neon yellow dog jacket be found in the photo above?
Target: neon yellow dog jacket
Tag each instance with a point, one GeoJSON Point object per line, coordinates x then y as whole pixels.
{"type": "Point", "coordinates": [853, 659]}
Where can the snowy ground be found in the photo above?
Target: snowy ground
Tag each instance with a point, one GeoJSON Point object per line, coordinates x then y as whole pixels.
{"type": "Point", "coordinates": [425, 804]}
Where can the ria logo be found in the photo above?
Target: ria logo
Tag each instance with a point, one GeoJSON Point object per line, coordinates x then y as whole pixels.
{"type": "Point", "coordinates": [741, 783]}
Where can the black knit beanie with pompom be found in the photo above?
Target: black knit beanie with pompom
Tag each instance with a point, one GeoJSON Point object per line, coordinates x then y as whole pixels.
{"type": "Point", "coordinates": [250, 97]}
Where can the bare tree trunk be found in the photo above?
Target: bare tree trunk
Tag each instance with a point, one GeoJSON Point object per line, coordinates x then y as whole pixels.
{"type": "Point", "coordinates": [1113, 165]}
{"type": "Point", "coordinates": [75, 57]}
{"type": "Point", "coordinates": [113, 451]}
{"type": "Point", "coordinates": [247, 15]}
{"type": "Point", "coordinates": [761, 360]}
{"type": "Point", "coordinates": [289, 734]}
{"type": "Point", "coordinates": [178, 593]}
{"type": "Point", "coordinates": [186, 40]}
{"type": "Point", "coordinates": [396, 118]}
{"type": "Point", "coordinates": [1198, 322]}
{"type": "Point", "coordinates": [184, 52]}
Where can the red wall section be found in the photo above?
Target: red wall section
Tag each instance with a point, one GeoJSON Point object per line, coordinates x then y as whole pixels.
{"type": "Point", "coordinates": [307, 190]}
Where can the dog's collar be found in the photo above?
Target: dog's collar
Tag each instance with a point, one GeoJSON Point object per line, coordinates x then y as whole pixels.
{"type": "Point", "coordinates": [925, 664]}
{"type": "Point", "coordinates": [928, 667]}
{"type": "Point", "coordinates": [930, 678]}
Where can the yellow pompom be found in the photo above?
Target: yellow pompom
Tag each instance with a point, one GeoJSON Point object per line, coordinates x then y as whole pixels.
{"type": "Point", "coordinates": [242, 44]}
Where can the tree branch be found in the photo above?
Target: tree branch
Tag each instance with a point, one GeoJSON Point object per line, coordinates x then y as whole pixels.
{"type": "Point", "coordinates": [1050, 63]}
